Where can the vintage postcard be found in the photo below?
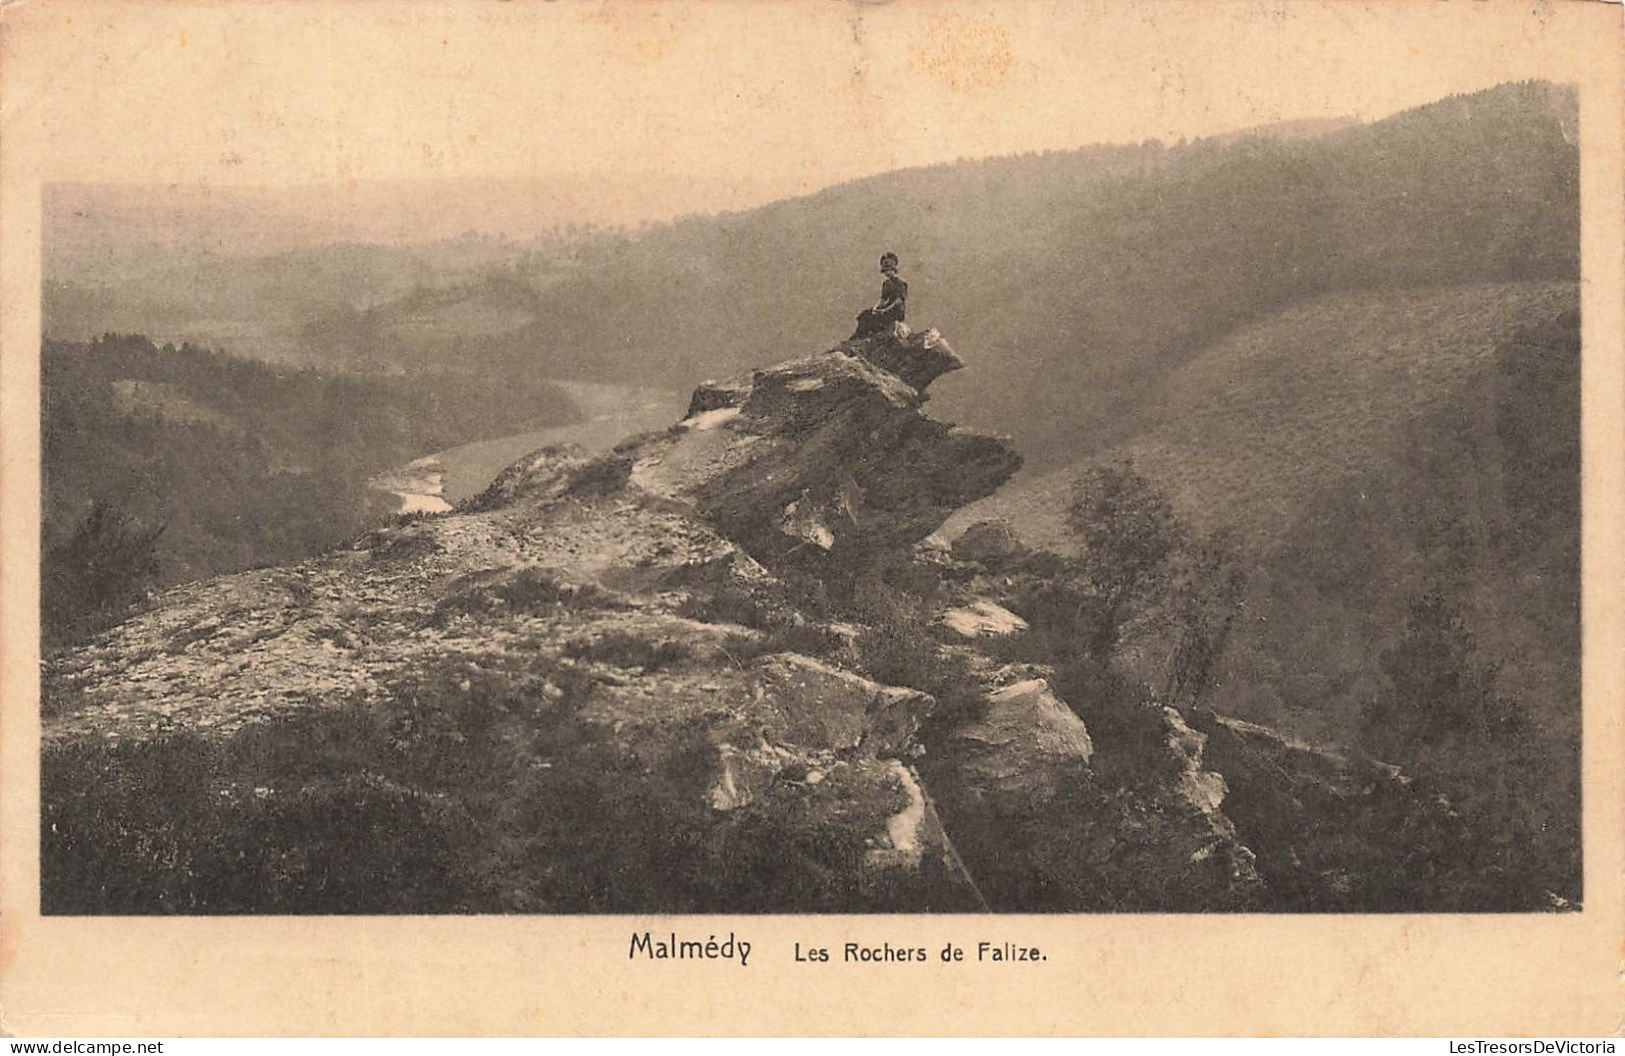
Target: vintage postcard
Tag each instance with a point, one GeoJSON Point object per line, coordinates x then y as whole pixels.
{"type": "Point", "coordinates": [894, 518]}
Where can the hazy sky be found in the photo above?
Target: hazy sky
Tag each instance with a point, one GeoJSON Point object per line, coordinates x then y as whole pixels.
{"type": "Point", "coordinates": [704, 106]}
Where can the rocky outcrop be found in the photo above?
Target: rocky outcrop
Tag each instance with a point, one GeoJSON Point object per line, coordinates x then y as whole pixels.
{"type": "Point", "coordinates": [619, 683]}
{"type": "Point", "coordinates": [1042, 825]}
{"type": "Point", "coordinates": [1203, 792]}
{"type": "Point", "coordinates": [826, 454]}
{"type": "Point", "coordinates": [592, 630]}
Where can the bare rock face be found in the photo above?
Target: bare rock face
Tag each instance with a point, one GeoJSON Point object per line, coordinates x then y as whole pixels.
{"type": "Point", "coordinates": [981, 618]}
{"type": "Point", "coordinates": [561, 697]}
{"type": "Point", "coordinates": [599, 687]}
{"type": "Point", "coordinates": [919, 359]}
{"type": "Point", "coordinates": [1022, 745]}
{"type": "Point", "coordinates": [827, 455]}
{"type": "Point", "coordinates": [1202, 793]}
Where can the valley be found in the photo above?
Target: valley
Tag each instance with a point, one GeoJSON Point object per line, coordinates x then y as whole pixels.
{"type": "Point", "coordinates": [1246, 512]}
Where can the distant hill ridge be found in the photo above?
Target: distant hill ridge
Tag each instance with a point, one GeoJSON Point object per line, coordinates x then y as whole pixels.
{"type": "Point", "coordinates": [1278, 410]}
{"type": "Point", "coordinates": [1079, 280]}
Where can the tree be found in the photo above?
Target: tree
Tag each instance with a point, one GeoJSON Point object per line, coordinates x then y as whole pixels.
{"type": "Point", "coordinates": [1438, 689]}
{"type": "Point", "coordinates": [107, 563]}
{"type": "Point", "coordinates": [1206, 594]}
{"type": "Point", "coordinates": [1129, 532]}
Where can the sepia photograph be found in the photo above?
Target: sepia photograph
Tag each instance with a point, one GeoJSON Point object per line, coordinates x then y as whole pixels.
{"type": "Point", "coordinates": [942, 463]}
{"type": "Point", "coordinates": [477, 546]}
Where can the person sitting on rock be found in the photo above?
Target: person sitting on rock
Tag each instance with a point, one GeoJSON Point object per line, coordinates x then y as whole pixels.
{"type": "Point", "coordinates": [893, 301]}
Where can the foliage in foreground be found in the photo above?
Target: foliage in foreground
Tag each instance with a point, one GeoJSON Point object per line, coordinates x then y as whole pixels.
{"type": "Point", "coordinates": [470, 789]}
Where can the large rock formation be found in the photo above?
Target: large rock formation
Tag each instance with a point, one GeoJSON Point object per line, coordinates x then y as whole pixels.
{"type": "Point", "coordinates": [825, 454]}
{"type": "Point", "coordinates": [620, 683]}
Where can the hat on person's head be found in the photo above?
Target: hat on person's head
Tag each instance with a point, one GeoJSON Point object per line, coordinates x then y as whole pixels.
{"type": "Point", "coordinates": [888, 258]}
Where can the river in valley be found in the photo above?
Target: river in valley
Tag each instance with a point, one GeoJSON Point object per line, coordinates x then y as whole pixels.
{"type": "Point", "coordinates": [610, 413]}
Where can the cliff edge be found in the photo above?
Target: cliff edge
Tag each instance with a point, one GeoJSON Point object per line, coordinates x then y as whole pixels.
{"type": "Point", "coordinates": [689, 675]}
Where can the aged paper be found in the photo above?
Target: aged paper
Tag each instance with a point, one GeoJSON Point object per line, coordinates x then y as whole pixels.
{"type": "Point", "coordinates": [289, 125]}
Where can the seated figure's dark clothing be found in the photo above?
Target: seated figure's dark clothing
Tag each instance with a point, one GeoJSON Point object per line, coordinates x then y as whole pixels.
{"type": "Point", "coordinates": [893, 304]}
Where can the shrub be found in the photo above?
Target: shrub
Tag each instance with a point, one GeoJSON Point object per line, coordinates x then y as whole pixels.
{"type": "Point", "coordinates": [1437, 687]}
{"type": "Point", "coordinates": [473, 786]}
{"type": "Point", "coordinates": [90, 578]}
{"type": "Point", "coordinates": [530, 591]}
{"type": "Point", "coordinates": [621, 649]}
{"type": "Point", "coordinates": [898, 647]}
{"type": "Point", "coordinates": [729, 602]}
{"type": "Point", "coordinates": [1129, 533]}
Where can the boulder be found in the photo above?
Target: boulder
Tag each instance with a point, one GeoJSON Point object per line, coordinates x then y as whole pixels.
{"type": "Point", "coordinates": [1021, 746]}
{"type": "Point", "coordinates": [803, 701]}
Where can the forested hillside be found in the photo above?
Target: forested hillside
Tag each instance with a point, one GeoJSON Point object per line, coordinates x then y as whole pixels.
{"type": "Point", "coordinates": [1395, 480]}
{"type": "Point", "coordinates": [1076, 281]}
{"type": "Point", "coordinates": [224, 463]}
{"type": "Point", "coordinates": [305, 306]}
